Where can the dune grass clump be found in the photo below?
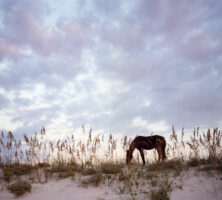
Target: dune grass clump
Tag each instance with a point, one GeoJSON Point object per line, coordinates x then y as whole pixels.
{"type": "Point", "coordinates": [175, 166]}
{"type": "Point", "coordinates": [89, 171]}
{"type": "Point", "coordinates": [19, 169]}
{"type": "Point", "coordinates": [111, 168]}
{"type": "Point", "coordinates": [98, 159]}
{"type": "Point", "coordinates": [16, 169]}
{"type": "Point", "coordinates": [123, 176]}
{"type": "Point", "coordinates": [95, 179]}
{"type": "Point", "coordinates": [64, 169]}
{"type": "Point", "coordinates": [159, 194]}
{"type": "Point", "coordinates": [153, 167]}
{"type": "Point", "coordinates": [216, 166]}
{"type": "Point", "coordinates": [193, 162]}
{"type": "Point", "coordinates": [163, 191]}
{"type": "Point", "coordinates": [20, 187]}
{"type": "Point", "coordinates": [43, 165]}
{"type": "Point", "coordinates": [7, 174]}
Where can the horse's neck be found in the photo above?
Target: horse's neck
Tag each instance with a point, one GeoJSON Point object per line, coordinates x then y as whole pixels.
{"type": "Point", "coordinates": [132, 147]}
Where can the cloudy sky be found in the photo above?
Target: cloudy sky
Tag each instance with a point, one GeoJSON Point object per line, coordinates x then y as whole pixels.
{"type": "Point", "coordinates": [117, 66]}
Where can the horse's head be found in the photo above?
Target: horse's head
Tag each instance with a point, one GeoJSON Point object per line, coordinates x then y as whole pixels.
{"type": "Point", "coordinates": [129, 156]}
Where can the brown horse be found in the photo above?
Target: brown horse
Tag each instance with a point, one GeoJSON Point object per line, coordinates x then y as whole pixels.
{"type": "Point", "coordinates": [147, 143]}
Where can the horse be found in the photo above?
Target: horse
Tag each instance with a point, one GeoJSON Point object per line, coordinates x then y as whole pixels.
{"type": "Point", "coordinates": [146, 143]}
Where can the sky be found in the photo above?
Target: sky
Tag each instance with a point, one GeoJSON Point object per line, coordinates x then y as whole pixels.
{"type": "Point", "coordinates": [121, 67]}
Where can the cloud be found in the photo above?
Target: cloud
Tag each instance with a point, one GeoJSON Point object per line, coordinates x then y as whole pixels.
{"type": "Point", "coordinates": [118, 67]}
{"type": "Point", "coordinates": [153, 127]}
{"type": "Point", "coordinates": [24, 25]}
{"type": "Point", "coordinates": [4, 101]}
{"type": "Point", "coordinates": [181, 47]}
{"type": "Point", "coordinates": [7, 50]}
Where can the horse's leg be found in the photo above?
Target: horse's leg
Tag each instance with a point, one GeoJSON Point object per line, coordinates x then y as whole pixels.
{"type": "Point", "coordinates": [163, 154]}
{"type": "Point", "coordinates": [160, 153]}
{"type": "Point", "coordinates": [164, 150]}
{"type": "Point", "coordinates": [142, 155]}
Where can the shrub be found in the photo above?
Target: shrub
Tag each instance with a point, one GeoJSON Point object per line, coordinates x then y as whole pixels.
{"type": "Point", "coordinates": [20, 187]}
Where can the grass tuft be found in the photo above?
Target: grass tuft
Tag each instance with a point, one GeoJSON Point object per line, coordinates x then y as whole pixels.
{"type": "Point", "coordinates": [159, 194]}
{"type": "Point", "coordinates": [164, 190]}
{"type": "Point", "coordinates": [215, 167]}
{"type": "Point", "coordinates": [110, 168]}
{"type": "Point", "coordinates": [16, 169]}
{"type": "Point", "coordinates": [94, 179]}
{"type": "Point", "coordinates": [63, 169]}
{"type": "Point", "coordinates": [20, 187]}
{"type": "Point", "coordinates": [89, 171]}
{"type": "Point", "coordinates": [193, 162]}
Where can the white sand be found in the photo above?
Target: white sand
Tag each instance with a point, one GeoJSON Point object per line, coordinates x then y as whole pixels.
{"type": "Point", "coordinates": [199, 187]}
{"type": "Point", "coordinates": [63, 189]}
{"type": "Point", "coordinates": [194, 187]}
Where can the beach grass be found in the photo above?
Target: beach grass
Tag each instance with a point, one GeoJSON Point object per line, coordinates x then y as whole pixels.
{"type": "Point", "coordinates": [38, 159]}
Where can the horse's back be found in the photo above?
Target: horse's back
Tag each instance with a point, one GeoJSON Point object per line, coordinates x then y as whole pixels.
{"type": "Point", "coordinates": [152, 137]}
{"type": "Point", "coordinates": [148, 142]}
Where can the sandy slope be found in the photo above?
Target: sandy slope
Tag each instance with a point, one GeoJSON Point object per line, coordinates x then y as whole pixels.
{"type": "Point", "coordinates": [194, 187]}
{"type": "Point", "coordinates": [199, 187]}
{"type": "Point", "coordinates": [63, 189]}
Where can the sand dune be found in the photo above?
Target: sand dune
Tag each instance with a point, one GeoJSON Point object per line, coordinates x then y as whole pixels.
{"type": "Point", "coordinates": [187, 186]}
